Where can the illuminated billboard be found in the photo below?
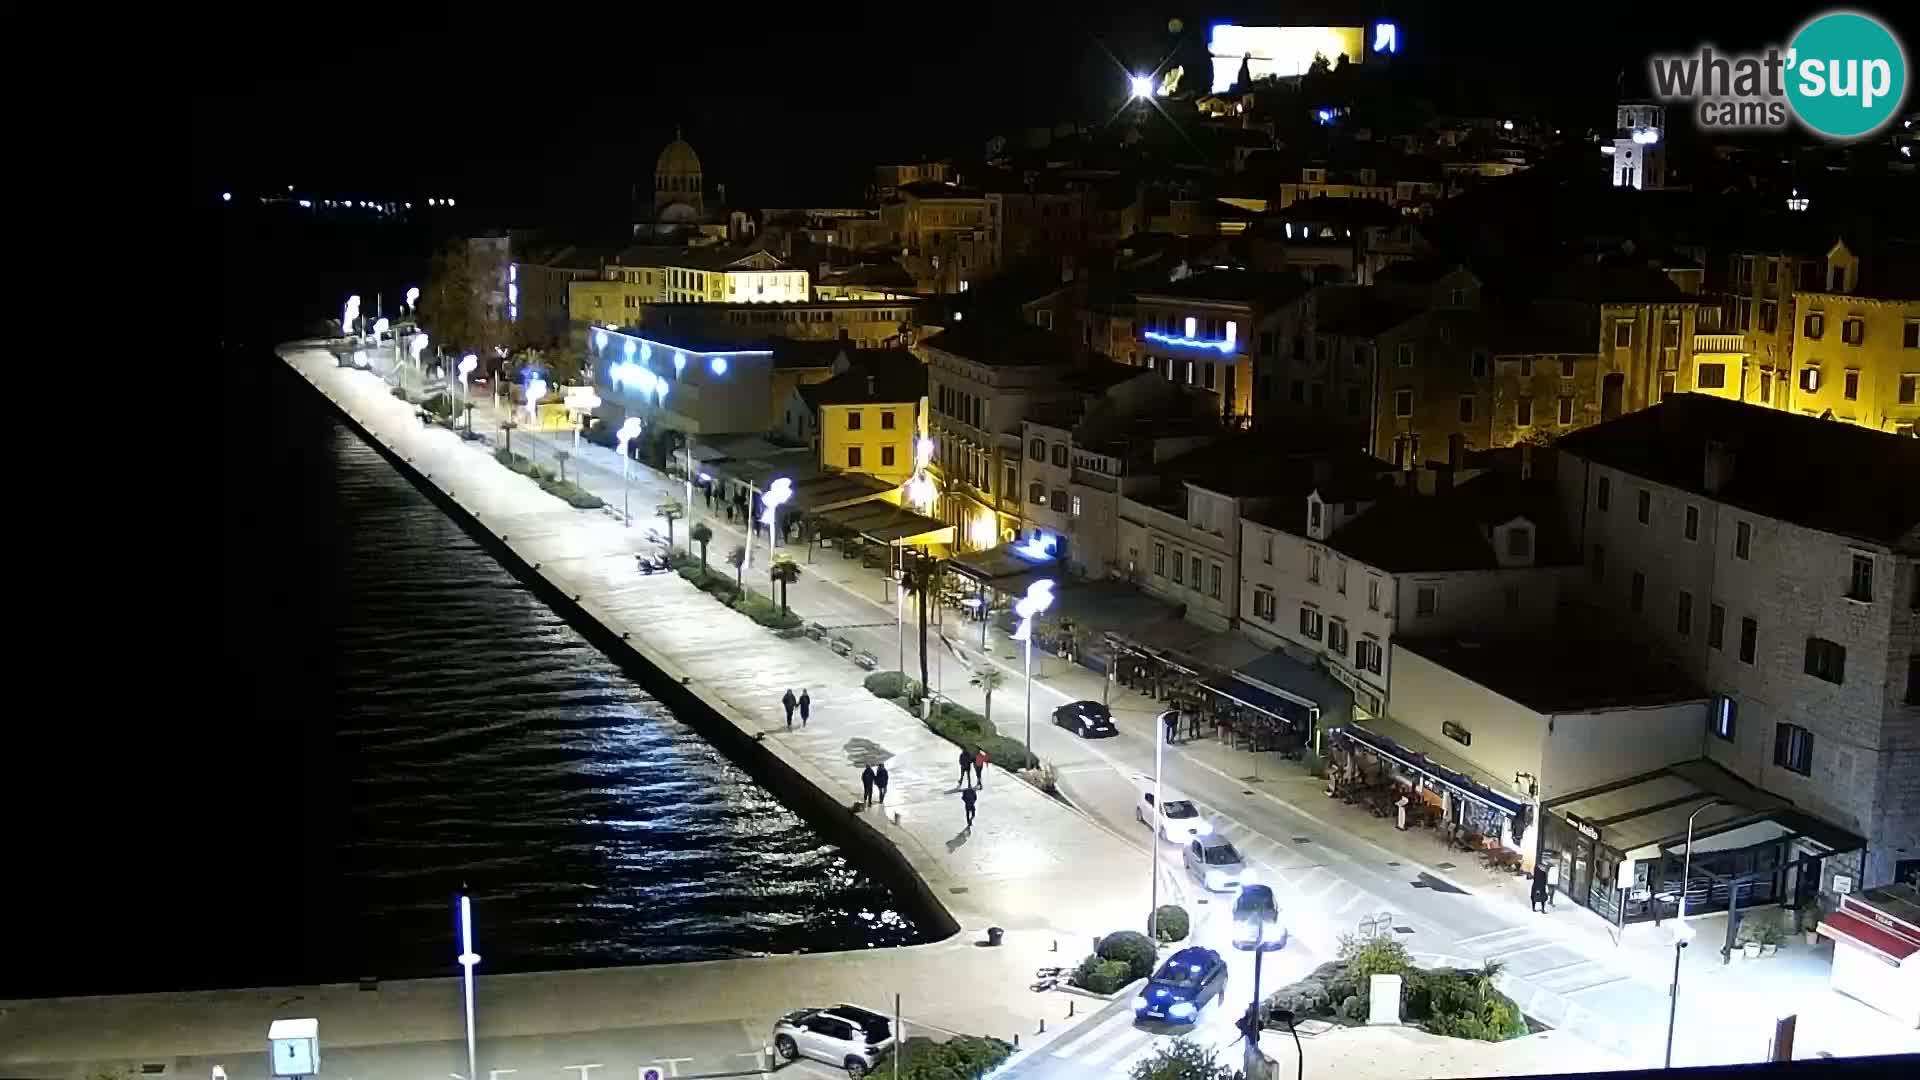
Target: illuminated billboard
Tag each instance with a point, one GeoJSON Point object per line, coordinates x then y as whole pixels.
{"type": "Point", "coordinates": [1283, 51]}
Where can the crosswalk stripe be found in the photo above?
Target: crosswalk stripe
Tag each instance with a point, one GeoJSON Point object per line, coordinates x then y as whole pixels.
{"type": "Point", "coordinates": [1124, 1017]}
{"type": "Point", "coordinates": [1115, 1046]}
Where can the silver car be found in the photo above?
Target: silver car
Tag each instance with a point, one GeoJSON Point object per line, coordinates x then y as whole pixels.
{"type": "Point", "coordinates": [848, 1036]}
{"type": "Point", "coordinates": [1214, 862]}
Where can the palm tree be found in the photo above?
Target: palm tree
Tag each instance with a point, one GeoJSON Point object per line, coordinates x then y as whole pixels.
{"type": "Point", "coordinates": [989, 679]}
{"type": "Point", "coordinates": [670, 511]}
{"type": "Point", "coordinates": [737, 558]}
{"type": "Point", "coordinates": [921, 578]}
{"type": "Point", "coordinates": [701, 534]}
{"type": "Point", "coordinates": [785, 572]}
{"type": "Point", "coordinates": [506, 426]}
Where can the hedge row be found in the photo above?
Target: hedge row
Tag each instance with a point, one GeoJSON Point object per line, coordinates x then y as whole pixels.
{"type": "Point", "coordinates": [963, 1057]}
{"type": "Point", "coordinates": [753, 605]}
{"type": "Point", "coordinates": [575, 495]}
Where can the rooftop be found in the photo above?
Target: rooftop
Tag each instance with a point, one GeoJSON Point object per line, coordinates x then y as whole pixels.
{"type": "Point", "coordinates": [1255, 466]}
{"type": "Point", "coordinates": [1559, 674]}
{"type": "Point", "coordinates": [1410, 533]}
{"type": "Point", "coordinates": [1232, 286]}
{"type": "Point", "coordinates": [874, 377]}
{"type": "Point", "coordinates": [1819, 474]}
{"type": "Point", "coordinates": [1003, 343]}
{"type": "Point", "coordinates": [1423, 271]}
{"type": "Point", "coordinates": [708, 258]}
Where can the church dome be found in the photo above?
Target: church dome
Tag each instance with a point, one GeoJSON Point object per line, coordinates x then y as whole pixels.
{"type": "Point", "coordinates": [678, 159]}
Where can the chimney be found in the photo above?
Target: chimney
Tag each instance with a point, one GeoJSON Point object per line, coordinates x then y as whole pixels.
{"type": "Point", "coordinates": [1718, 467]}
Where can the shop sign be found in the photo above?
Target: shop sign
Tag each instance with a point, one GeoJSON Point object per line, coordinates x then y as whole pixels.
{"type": "Point", "coordinates": [1457, 733]}
{"type": "Point", "coordinates": [1586, 830]}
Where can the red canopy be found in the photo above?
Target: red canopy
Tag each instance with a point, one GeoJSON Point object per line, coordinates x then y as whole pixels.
{"type": "Point", "coordinates": [1871, 936]}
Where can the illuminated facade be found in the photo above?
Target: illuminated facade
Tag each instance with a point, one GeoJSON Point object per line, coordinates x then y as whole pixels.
{"type": "Point", "coordinates": [871, 415]}
{"type": "Point", "coordinates": [675, 385]}
{"type": "Point", "coordinates": [1198, 332]}
{"type": "Point", "coordinates": [1283, 51]}
{"type": "Point", "coordinates": [1856, 349]}
{"type": "Point", "coordinates": [1640, 146]}
{"type": "Point", "coordinates": [944, 234]}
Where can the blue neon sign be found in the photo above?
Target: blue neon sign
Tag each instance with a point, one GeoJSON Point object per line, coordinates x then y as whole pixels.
{"type": "Point", "coordinates": [1224, 345]}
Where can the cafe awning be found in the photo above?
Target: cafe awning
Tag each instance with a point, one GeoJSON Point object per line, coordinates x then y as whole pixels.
{"type": "Point", "coordinates": [1882, 942]}
{"type": "Point", "coordinates": [1294, 713]}
{"type": "Point", "coordinates": [1000, 568]}
{"type": "Point", "coordinates": [1641, 816]}
{"type": "Point", "coordinates": [1415, 753]}
{"type": "Point", "coordinates": [884, 523]}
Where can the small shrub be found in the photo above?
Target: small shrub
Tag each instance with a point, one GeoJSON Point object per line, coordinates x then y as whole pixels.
{"type": "Point", "coordinates": [964, 727]}
{"type": "Point", "coordinates": [1375, 956]}
{"type": "Point", "coordinates": [1170, 922]}
{"type": "Point", "coordinates": [1044, 777]}
{"type": "Point", "coordinates": [1109, 975]}
{"type": "Point", "coordinates": [963, 1057]}
{"type": "Point", "coordinates": [1350, 1007]}
{"type": "Point", "coordinates": [1084, 970]}
{"type": "Point", "coordinates": [1134, 948]}
{"type": "Point", "coordinates": [886, 684]}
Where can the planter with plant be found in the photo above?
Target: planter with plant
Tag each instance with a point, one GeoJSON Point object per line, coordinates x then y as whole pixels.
{"type": "Point", "coordinates": [1810, 916]}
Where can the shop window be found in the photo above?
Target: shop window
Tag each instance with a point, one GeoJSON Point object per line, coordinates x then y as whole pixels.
{"type": "Point", "coordinates": [1723, 716]}
{"type": "Point", "coordinates": [1793, 748]}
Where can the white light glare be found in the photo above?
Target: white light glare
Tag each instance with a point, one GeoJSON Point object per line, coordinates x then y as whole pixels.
{"type": "Point", "coordinates": [226, 196]}
{"type": "Point", "coordinates": [1141, 85]}
{"type": "Point", "coordinates": [1039, 598]}
{"type": "Point", "coordinates": [776, 494]}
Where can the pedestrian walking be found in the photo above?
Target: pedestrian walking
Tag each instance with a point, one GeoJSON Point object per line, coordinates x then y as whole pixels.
{"type": "Point", "coordinates": [880, 782]}
{"type": "Point", "coordinates": [1540, 889]}
{"type": "Point", "coordinates": [966, 766]}
{"type": "Point", "coordinates": [806, 706]}
{"type": "Point", "coordinates": [866, 786]}
{"type": "Point", "coordinates": [789, 701]}
{"type": "Point", "coordinates": [980, 766]}
{"type": "Point", "coordinates": [967, 799]}
{"type": "Point", "coordinates": [1553, 882]}
{"type": "Point", "coordinates": [1172, 717]}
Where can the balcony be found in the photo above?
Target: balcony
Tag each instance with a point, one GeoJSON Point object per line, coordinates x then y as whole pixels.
{"type": "Point", "coordinates": [1719, 343]}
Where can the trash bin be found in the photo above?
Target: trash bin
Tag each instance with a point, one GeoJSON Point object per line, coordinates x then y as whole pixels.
{"type": "Point", "coordinates": [994, 934]}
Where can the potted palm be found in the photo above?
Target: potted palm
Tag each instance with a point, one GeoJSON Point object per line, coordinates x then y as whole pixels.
{"type": "Point", "coordinates": [1749, 939]}
{"type": "Point", "coordinates": [1810, 916]}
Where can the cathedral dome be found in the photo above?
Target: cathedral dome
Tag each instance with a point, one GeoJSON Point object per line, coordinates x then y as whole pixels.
{"type": "Point", "coordinates": [678, 159]}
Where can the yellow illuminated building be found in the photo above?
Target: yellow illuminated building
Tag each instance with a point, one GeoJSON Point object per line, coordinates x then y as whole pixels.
{"type": "Point", "coordinates": [871, 415]}
{"type": "Point", "coordinates": [1856, 350]}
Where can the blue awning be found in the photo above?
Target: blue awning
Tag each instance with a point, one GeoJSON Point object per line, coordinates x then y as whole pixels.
{"type": "Point", "coordinates": [1292, 713]}
{"type": "Point", "coordinates": [1426, 765]}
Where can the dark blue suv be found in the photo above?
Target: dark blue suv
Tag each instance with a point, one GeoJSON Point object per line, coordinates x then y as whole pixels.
{"type": "Point", "coordinates": [1183, 986]}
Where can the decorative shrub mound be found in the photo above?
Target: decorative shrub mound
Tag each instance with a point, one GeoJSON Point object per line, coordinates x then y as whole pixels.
{"type": "Point", "coordinates": [963, 1057]}
{"type": "Point", "coordinates": [1170, 922]}
{"type": "Point", "coordinates": [886, 684]}
{"type": "Point", "coordinates": [1444, 1001]}
{"type": "Point", "coordinates": [1134, 948]}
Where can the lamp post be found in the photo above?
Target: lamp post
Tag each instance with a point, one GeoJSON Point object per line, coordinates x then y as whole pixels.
{"type": "Point", "coordinates": [418, 345]}
{"type": "Point", "coordinates": [536, 389]}
{"type": "Point", "coordinates": [1153, 836]}
{"type": "Point", "coordinates": [413, 299]}
{"type": "Point", "coordinates": [467, 364]}
{"type": "Point", "coordinates": [777, 494]}
{"type": "Point", "coordinates": [1038, 599]}
{"type": "Point", "coordinates": [1682, 932]}
{"type": "Point", "coordinates": [350, 315]}
{"type": "Point", "coordinates": [468, 959]}
{"type": "Point", "coordinates": [629, 431]}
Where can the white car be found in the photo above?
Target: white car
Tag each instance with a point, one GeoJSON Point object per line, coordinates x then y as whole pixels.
{"type": "Point", "coordinates": [848, 1036]}
{"type": "Point", "coordinates": [1214, 863]}
{"type": "Point", "coordinates": [1177, 819]}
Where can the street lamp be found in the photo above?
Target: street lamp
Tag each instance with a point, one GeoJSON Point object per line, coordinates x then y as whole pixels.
{"type": "Point", "coordinates": [413, 299]}
{"type": "Point", "coordinates": [536, 389]}
{"type": "Point", "coordinates": [1038, 599]}
{"type": "Point", "coordinates": [1682, 932]}
{"type": "Point", "coordinates": [418, 344]}
{"type": "Point", "coordinates": [1141, 86]}
{"type": "Point", "coordinates": [777, 494]}
{"type": "Point", "coordinates": [1160, 725]}
{"type": "Point", "coordinates": [350, 314]}
{"type": "Point", "coordinates": [468, 959]}
{"type": "Point", "coordinates": [629, 431]}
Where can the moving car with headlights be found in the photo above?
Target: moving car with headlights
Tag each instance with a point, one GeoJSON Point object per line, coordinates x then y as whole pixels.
{"type": "Point", "coordinates": [1177, 818]}
{"type": "Point", "coordinates": [848, 1036]}
{"type": "Point", "coordinates": [1087, 719]}
{"type": "Point", "coordinates": [1183, 986]}
{"type": "Point", "coordinates": [1256, 920]}
{"type": "Point", "coordinates": [1214, 862]}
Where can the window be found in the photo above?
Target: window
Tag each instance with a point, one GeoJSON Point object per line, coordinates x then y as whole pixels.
{"type": "Point", "coordinates": [1743, 541]}
{"type": "Point", "coordinates": [1213, 580]}
{"type": "Point", "coordinates": [1710, 376]}
{"type": "Point", "coordinates": [1716, 626]}
{"type": "Point", "coordinates": [1793, 748]}
{"type": "Point", "coordinates": [1426, 599]}
{"type": "Point", "coordinates": [1526, 367]}
{"type": "Point", "coordinates": [1566, 367]}
{"type": "Point", "coordinates": [1603, 493]}
{"type": "Point", "coordinates": [853, 457]}
{"type": "Point", "coordinates": [1720, 720]}
{"type": "Point", "coordinates": [1297, 391]}
{"type": "Point", "coordinates": [1044, 319]}
{"type": "Point", "coordinates": [1366, 655]}
{"type": "Point", "coordinates": [1814, 325]}
{"type": "Point", "coordinates": [1076, 506]}
{"type": "Point", "coordinates": [1479, 363]}
{"type": "Point", "coordinates": [886, 457]}
{"type": "Point", "coordinates": [1315, 508]}
{"type": "Point", "coordinates": [1311, 624]}
{"type": "Point", "coordinates": [1683, 616]}
{"type": "Point", "coordinates": [1403, 403]}
{"type": "Point", "coordinates": [1853, 331]}
{"type": "Point", "coordinates": [886, 420]}
{"type": "Point", "coordinates": [1850, 385]}
{"type": "Point", "coordinates": [1599, 563]}
{"type": "Point", "coordinates": [1623, 334]}
{"type": "Point", "coordinates": [1644, 506]}
{"type": "Point", "coordinates": [1037, 449]}
{"type": "Point", "coordinates": [1404, 355]}
{"type": "Point", "coordinates": [1691, 526]}
{"type": "Point", "coordinates": [1012, 485]}
{"type": "Point", "coordinates": [1826, 660]}
{"type": "Point", "coordinates": [1060, 455]}
{"type": "Point", "coordinates": [1179, 567]}
{"type": "Point", "coordinates": [1523, 412]}
{"type": "Point", "coordinates": [1749, 640]}
{"type": "Point", "coordinates": [1769, 316]}
{"type": "Point", "coordinates": [1860, 581]}
{"type": "Point", "coordinates": [1313, 567]}
{"type": "Point", "coordinates": [1909, 388]}
{"type": "Point", "coordinates": [1263, 603]}
{"type": "Point", "coordinates": [1036, 493]}
{"type": "Point", "coordinates": [1810, 379]}
{"type": "Point", "coordinates": [1340, 577]}
{"type": "Point", "coordinates": [1910, 334]}
{"type": "Point", "coordinates": [1266, 548]}
{"type": "Point", "coordinates": [853, 419]}
{"type": "Point", "coordinates": [1337, 637]}
{"type": "Point", "coordinates": [1159, 560]}
{"type": "Point", "coordinates": [1196, 573]}
{"type": "Point", "coordinates": [1520, 543]}
{"type": "Point", "coordinates": [1466, 409]}
{"type": "Point", "coordinates": [1057, 498]}
{"type": "Point", "coordinates": [1566, 410]}
{"type": "Point", "coordinates": [1637, 592]}
{"type": "Point", "coordinates": [1373, 594]}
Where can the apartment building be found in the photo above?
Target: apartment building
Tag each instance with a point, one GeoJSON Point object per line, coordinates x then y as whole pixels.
{"type": "Point", "coordinates": [1856, 342]}
{"type": "Point", "coordinates": [1364, 558]}
{"type": "Point", "coordinates": [1198, 331]}
{"type": "Point", "coordinates": [1772, 557]}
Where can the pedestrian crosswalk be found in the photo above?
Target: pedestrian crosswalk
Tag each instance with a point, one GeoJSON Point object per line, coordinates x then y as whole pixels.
{"type": "Point", "coordinates": [1112, 1045]}
{"type": "Point", "coordinates": [1319, 899]}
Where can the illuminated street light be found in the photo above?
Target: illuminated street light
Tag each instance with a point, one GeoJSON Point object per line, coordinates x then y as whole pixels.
{"type": "Point", "coordinates": [1141, 86]}
{"type": "Point", "coordinates": [599, 340]}
{"type": "Point", "coordinates": [468, 960]}
{"type": "Point", "coordinates": [351, 314]}
{"type": "Point", "coordinates": [1682, 930]}
{"type": "Point", "coordinates": [1038, 599]}
{"type": "Point", "coordinates": [536, 389]}
{"type": "Point", "coordinates": [776, 496]}
{"type": "Point", "coordinates": [629, 431]}
{"type": "Point", "coordinates": [419, 345]}
{"type": "Point", "coordinates": [413, 292]}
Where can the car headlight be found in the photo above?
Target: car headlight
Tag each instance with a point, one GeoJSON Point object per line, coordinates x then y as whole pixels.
{"type": "Point", "coordinates": [1181, 1010]}
{"type": "Point", "coordinates": [1140, 1001]}
{"type": "Point", "coordinates": [1215, 879]}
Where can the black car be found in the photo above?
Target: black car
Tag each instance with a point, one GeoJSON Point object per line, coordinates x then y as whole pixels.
{"type": "Point", "coordinates": [1183, 986]}
{"type": "Point", "coordinates": [1087, 719]}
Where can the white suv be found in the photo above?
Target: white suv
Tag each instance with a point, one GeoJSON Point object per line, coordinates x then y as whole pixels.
{"type": "Point", "coordinates": [1177, 820]}
{"type": "Point", "coordinates": [844, 1035]}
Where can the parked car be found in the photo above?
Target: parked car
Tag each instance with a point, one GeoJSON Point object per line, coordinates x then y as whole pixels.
{"type": "Point", "coordinates": [1177, 819]}
{"type": "Point", "coordinates": [1214, 862]}
{"type": "Point", "coordinates": [848, 1036]}
{"type": "Point", "coordinates": [1256, 920]}
{"type": "Point", "coordinates": [1185, 984]}
{"type": "Point", "coordinates": [1087, 719]}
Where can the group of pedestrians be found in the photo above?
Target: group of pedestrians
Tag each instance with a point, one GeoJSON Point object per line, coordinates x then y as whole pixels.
{"type": "Point", "coordinates": [873, 779]}
{"type": "Point", "coordinates": [804, 703]}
